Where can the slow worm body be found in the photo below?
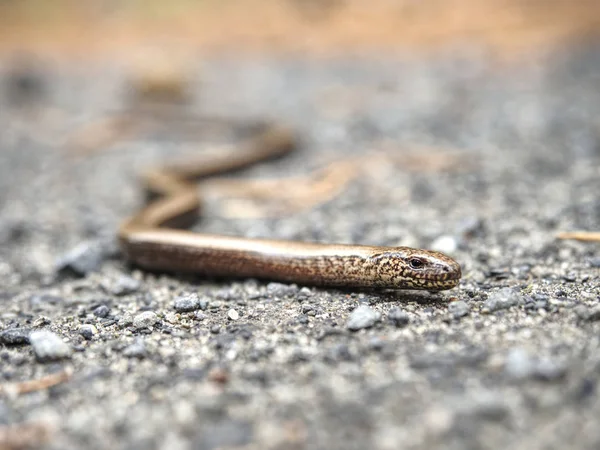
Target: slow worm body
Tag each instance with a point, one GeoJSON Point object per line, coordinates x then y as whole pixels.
{"type": "Point", "coordinates": [151, 240]}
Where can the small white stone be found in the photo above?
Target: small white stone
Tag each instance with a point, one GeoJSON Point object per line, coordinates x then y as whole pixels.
{"type": "Point", "coordinates": [444, 244]}
{"type": "Point", "coordinates": [145, 320]}
{"type": "Point", "coordinates": [362, 317]}
{"type": "Point", "coordinates": [48, 346]}
{"type": "Point", "coordinates": [171, 318]}
{"type": "Point", "coordinates": [233, 314]}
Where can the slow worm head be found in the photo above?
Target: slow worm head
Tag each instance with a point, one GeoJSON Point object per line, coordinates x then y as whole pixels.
{"type": "Point", "coordinates": [149, 240]}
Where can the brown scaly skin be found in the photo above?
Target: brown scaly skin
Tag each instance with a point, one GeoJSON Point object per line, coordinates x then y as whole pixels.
{"type": "Point", "coordinates": [148, 240]}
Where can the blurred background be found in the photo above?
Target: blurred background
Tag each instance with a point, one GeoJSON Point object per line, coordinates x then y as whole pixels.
{"type": "Point", "coordinates": [92, 28]}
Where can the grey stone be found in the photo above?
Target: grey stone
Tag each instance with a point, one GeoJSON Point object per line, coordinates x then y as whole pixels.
{"type": "Point", "coordinates": [281, 290]}
{"type": "Point", "coordinates": [502, 299]}
{"type": "Point", "coordinates": [135, 350]}
{"type": "Point", "coordinates": [81, 260]}
{"type": "Point", "coordinates": [377, 343]}
{"type": "Point", "coordinates": [15, 336]}
{"type": "Point", "coordinates": [362, 317]}
{"type": "Point", "coordinates": [304, 293]}
{"type": "Point", "coordinates": [589, 314]}
{"type": "Point", "coordinates": [124, 285]}
{"type": "Point", "coordinates": [48, 346]}
{"type": "Point", "coordinates": [459, 309]}
{"type": "Point", "coordinates": [484, 406]}
{"type": "Point", "coordinates": [147, 319]}
{"type": "Point", "coordinates": [88, 331]}
{"type": "Point", "coordinates": [398, 317]}
{"type": "Point", "coordinates": [595, 262]}
{"type": "Point", "coordinates": [101, 311]}
{"type": "Point", "coordinates": [186, 303]}
{"type": "Point", "coordinates": [550, 370]}
{"type": "Point", "coordinates": [306, 308]}
{"type": "Point", "coordinates": [519, 364]}
{"type": "Point", "coordinates": [215, 304]}
{"type": "Point", "coordinates": [203, 303]}
{"type": "Point", "coordinates": [570, 277]}
{"type": "Point", "coordinates": [42, 301]}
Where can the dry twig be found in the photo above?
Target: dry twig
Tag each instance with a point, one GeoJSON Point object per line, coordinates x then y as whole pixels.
{"type": "Point", "coordinates": [583, 236]}
{"type": "Point", "coordinates": [47, 381]}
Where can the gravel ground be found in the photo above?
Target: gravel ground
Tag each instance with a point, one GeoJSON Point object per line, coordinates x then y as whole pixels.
{"type": "Point", "coordinates": [509, 359]}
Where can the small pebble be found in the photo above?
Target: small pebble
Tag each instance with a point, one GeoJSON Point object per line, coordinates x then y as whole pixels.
{"type": "Point", "coordinates": [48, 346]}
{"type": "Point", "coordinates": [281, 290]}
{"type": "Point", "coordinates": [15, 336]}
{"type": "Point", "coordinates": [549, 370]}
{"type": "Point", "coordinates": [589, 314]}
{"type": "Point", "coordinates": [362, 317]}
{"type": "Point", "coordinates": [40, 301]}
{"type": "Point", "coordinates": [445, 244]}
{"type": "Point", "coordinates": [101, 311]}
{"type": "Point", "coordinates": [41, 321]}
{"type": "Point", "coordinates": [489, 407]}
{"type": "Point", "coordinates": [88, 331]}
{"type": "Point", "coordinates": [124, 285]}
{"type": "Point", "coordinates": [171, 318]}
{"type": "Point", "coordinates": [147, 319]}
{"type": "Point", "coordinates": [81, 260]}
{"type": "Point", "coordinates": [306, 308]}
{"type": "Point", "coordinates": [125, 320]}
{"type": "Point", "coordinates": [502, 299]}
{"type": "Point", "coordinates": [135, 350]}
{"type": "Point", "coordinates": [302, 319]}
{"type": "Point", "coordinates": [458, 309]}
{"type": "Point", "coordinates": [186, 303]}
{"type": "Point", "coordinates": [304, 293]}
{"type": "Point", "coordinates": [398, 317]}
{"type": "Point", "coordinates": [570, 277]}
{"type": "Point", "coordinates": [340, 352]}
{"type": "Point", "coordinates": [214, 305]}
{"type": "Point", "coordinates": [203, 303]}
{"type": "Point", "coordinates": [595, 262]}
{"type": "Point", "coordinates": [233, 314]}
{"type": "Point", "coordinates": [519, 364]}
{"type": "Point", "coordinates": [376, 343]}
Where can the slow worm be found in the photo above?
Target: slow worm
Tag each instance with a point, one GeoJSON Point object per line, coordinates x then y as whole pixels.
{"type": "Point", "coordinates": [152, 238]}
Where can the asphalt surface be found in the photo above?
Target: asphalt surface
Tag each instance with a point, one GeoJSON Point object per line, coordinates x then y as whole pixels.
{"type": "Point", "coordinates": [508, 359]}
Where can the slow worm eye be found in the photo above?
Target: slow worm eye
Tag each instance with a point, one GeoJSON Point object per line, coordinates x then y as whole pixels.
{"type": "Point", "coordinates": [416, 263]}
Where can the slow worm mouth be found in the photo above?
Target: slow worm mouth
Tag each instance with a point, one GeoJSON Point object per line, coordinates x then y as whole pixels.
{"type": "Point", "coordinates": [446, 284]}
{"type": "Point", "coordinates": [448, 277]}
{"type": "Point", "coordinates": [454, 276]}
{"type": "Point", "coordinates": [455, 272]}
